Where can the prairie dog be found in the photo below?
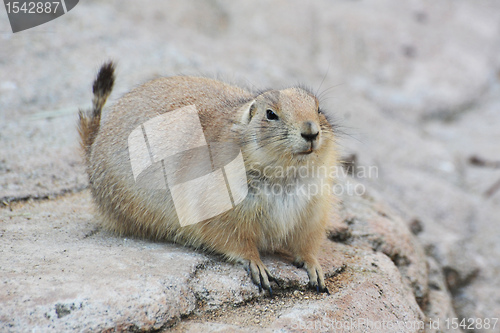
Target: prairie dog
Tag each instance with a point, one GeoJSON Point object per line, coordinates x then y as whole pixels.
{"type": "Point", "coordinates": [283, 137]}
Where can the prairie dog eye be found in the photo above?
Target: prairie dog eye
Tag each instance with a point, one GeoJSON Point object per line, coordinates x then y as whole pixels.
{"type": "Point", "coordinates": [271, 115]}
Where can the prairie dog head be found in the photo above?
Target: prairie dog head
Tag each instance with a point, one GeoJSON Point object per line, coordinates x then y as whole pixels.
{"type": "Point", "coordinates": [285, 128]}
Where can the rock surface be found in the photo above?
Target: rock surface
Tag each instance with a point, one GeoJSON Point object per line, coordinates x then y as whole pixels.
{"type": "Point", "coordinates": [415, 86]}
{"type": "Point", "coordinates": [61, 272]}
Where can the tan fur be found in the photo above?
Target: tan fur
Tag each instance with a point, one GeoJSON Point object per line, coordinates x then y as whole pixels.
{"type": "Point", "coordinates": [260, 222]}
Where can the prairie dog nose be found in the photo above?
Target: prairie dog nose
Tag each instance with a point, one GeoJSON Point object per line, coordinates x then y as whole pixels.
{"type": "Point", "coordinates": [309, 130]}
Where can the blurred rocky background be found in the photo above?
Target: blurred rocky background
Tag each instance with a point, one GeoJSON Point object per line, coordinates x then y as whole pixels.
{"type": "Point", "coordinates": [415, 88]}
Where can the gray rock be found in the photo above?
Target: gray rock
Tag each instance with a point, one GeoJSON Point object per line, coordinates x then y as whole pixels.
{"type": "Point", "coordinates": [61, 272]}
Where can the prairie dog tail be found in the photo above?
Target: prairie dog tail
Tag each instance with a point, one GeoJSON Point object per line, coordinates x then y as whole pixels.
{"type": "Point", "coordinates": [89, 121]}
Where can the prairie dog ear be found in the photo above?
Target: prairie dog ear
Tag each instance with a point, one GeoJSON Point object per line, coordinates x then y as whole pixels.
{"type": "Point", "coordinates": [248, 111]}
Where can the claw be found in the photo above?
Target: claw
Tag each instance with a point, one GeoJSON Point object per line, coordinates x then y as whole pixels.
{"type": "Point", "coordinates": [272, 278]}
{"type": "Point", "coordinates": [316, 278]}
{"type": "Point", "coordinates": [322, 290]}
{"type": "Point", "coordinates": [260, 275]}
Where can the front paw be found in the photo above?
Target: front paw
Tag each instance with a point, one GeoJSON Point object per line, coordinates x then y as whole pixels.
{"type": "Point", "coordinates": [260, 275]}
{"type": "Point", "coordinates": [316, 277]}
